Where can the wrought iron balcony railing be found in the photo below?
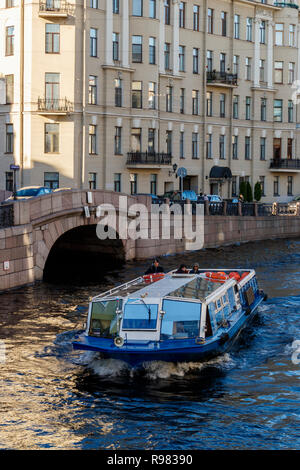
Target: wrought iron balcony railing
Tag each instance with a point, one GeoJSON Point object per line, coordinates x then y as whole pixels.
{"type": "Point", "coordinates": [55, 105]}
{"type": "Point", "coordinates": [147, 158]}
{"type": "Point", "coordinates": [221, 77]}
{"type": "Point", "coordinates": [286, 4]}
{"type": "Point", "coordinates": [285, 164]}
{"type": "Point", "coordinates": [54, 6]}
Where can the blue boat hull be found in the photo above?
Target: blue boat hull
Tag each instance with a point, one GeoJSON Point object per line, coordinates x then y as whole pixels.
{"type": "Point", "coordinates": [181, 350]}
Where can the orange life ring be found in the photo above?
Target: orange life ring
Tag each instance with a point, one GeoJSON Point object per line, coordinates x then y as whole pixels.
{"type": "Point", "coordinates": [244, 275]}
{"type": "Point", "coordinates": [234, 275]}
{"type": "Point", "coordinates": [149, 278]}
{"type": "Point", "coordinates": [217, 276]}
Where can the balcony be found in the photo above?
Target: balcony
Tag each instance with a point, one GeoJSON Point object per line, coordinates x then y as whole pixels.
{"type": "Point", "coordinates": [148, 160]}
{"type": "Point", "coordinates": [285, 164]}
{"type": "Point", "coordinates": [54, 9]}
{"type": "Point", "coordinates": [54, 106]}
{"type": "Point", "coordinates": [222, 79]}
{"type": "Point", "coordinates": [286, 4]}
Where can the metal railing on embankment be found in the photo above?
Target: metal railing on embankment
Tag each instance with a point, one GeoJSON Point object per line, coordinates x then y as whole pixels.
{"type": "Point", "coordinates": [6, 215]}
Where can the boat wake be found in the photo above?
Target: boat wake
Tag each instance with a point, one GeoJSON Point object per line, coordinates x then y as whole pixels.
{"type": "Point", "coordinates": [154, 370]}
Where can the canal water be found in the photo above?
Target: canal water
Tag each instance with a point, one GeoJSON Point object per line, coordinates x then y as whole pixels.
{"type": "Point", "coordinates": [54, 398]}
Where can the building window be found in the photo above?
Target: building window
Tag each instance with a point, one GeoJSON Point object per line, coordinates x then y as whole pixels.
{"type": "Point", "coordinates": [194, 144]}
{"type": "Point", "coordinates": [9, 40]}
{"type": "Point", "coordinates": [195, 60]}
{"type": "Point", "coordinates": [167, 55]}
{"type": "Point", "coordinates": [277, 111]}
{"type": "Point", "coordinates": [152, 58]}
{"type": "Point", "coordinates": [235, 147]}
{"type": "Point", "coordinates": [248, 108]}
{"type": "Point", "coordinates": [92, 139]}
{"type": "Point", "coordinates": [210, 20]}
{"type": "Point", "coordinates": [115, 50]}
{"type": "Point", "coordinates": [92, 180]}
{"type": "Point", "coordinates": [292, 30]}
{"type": "Point", "coordinates": [151, 140]}
{"type": "Point", "coordinates": [263, 109]}
{"type": "Point", "coordinates": [276, 186]}
{"type": "Point", "coordinates": [235, 111]}
{"type": "Point", "coordinates": [261, 70]}
{"type": "Point", "coordinates": [118, 92]}
{"type": "Point", "coordinates": [248, 68]}
{"type": "Point", "coordinates": [182, 15]}
{"type": "Point", "coordinates": [209, 104]}
{"type": "Point", "coordinates": [181, 58]}
{"type": "Point", "coordinates": [290, 111]}
{"type": "Point", "coordinates": [222, 104]}
{"type": "Point", "coordinates": [52, 45]}
{"type": "Point", "coordinates": [236, 65]}
{"type": "Point", "coordinates": [223, 23]}
{"type": "Point", "coordinates": [117, 182]}
{"type": "Point", "coordinates": [222, 147]}
{"type": "Point", "coordinates": [262, 148]}
{"type": "Point", "coordinates": [116, 6]}
{"type": "Point", "coordinates": [152, 95]}
{"type": "Point", "coordinates": [93, 3]}
{"type": "Point", "coordinates": [262, 180]}
{"type": "Point", "coordinates": [181, 145]}
{"type": "Point", "coordinates": [9, 81]}
{"type": "Point", "coordinates": [209, 61]}
{"type": "Point", "coordinates": [291, 72]}
{"type": "Point", "coordinates": [169, 142]}
{"type": "Point", "coordinates": [208, 146]}
{"type": "Point", "coordinates": [51, 138]}
{"type": "Point", "coordinates": [93, 42]}
{"type": "Point", "coordinates": [222, 62]}
{"type": "Point", "coordinates": [279, 34]}
{"type": "Point", "coordinates": [247, 148]}
{"type": "Point", "coordinates": [51, 179]}
{"type": "Point", "coordinates": [196, 17]}
{"type": "Point", "coordinates": [167, 12]}
{"type": "Point", "coordinates": [249, 29]}
{"type": "Point", "coordinates": [133, 177]}
{"type": "Point", "coordinates": [278, 73]}
{"type": "Point", "coordinates": [136, 88]}
{"type": "Point", "coordinates": [289, 152]}
{"type": "Point", "coordinates": [52, 81]}
{"type": "Point", "coordinates": [92, 89]}
{"type": "Point", "coordinates": [9, 3]}
{"type": "Point", "coordinates": [137, 49]}
{"type": "Point", "coordinates": [276, 148]}
{"type": "Point", "coordinates": [152, 8]}
{"type": "Point", "coordinates": [153, 184]}
{"type": "Point", "coordinates": [262, 32]}
{"type": "Point", "coordinates": [195, 102]}
{"type": "Point", "coordinates": [182, 100]}
{"type": "Point", "coordinates": [290, 186]}
{"type": "Point", "coordinates": [136, 139]}
{"type": "Point", "coordinates": [9, 144]}
{"type": "Point", "coordinates": [236, 31]}
{"type": "Point", "coordinates": [169, 99]}
{"type": "Point", "coordinates": [234, 186]}
{"type": "Point", "coordinates": [9, 181]}
{"type": "Point", "coordinates": [118, 141]}
{"type": "Point", "coordinates": [137, 7]}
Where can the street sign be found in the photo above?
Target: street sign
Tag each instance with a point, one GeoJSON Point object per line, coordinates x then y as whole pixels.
{"type": "Point", "coordinates": [181, 172]}
{"type": "Point", "coordinates": [14, 167]}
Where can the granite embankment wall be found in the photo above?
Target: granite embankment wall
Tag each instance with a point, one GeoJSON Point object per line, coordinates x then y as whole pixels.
{"type": "Point", "coordinates": [24, 248]}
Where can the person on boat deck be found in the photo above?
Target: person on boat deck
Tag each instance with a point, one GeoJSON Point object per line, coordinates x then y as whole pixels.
{"type": "Point", "coordinates": [155, 268]}
{"type": "Point", "coordinates": [195, 269]}
{"type": "Point", "coordinates": [182, 269]}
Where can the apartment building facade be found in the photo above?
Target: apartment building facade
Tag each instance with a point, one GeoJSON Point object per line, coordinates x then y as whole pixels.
{"type": "Point", "coordinates": [118, 94]}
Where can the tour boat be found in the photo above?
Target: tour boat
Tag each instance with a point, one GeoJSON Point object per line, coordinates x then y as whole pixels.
{"type": "Point", "coordinates": [171, 317]}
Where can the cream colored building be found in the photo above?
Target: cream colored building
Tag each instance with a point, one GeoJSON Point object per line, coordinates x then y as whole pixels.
{"type": "Point", "coordinates": [114, 94]}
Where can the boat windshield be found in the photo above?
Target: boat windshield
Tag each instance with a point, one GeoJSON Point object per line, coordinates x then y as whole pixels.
{"type": "Point", "coordinates": [139, 316]}
{"type": "Point", "coordinates": [181, 319]}
{"type": "Point", "coordinates": [104, 318]}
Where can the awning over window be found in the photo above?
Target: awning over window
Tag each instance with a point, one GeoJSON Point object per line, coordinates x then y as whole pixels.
{"type": "Point", "coordinates": [220, 172]}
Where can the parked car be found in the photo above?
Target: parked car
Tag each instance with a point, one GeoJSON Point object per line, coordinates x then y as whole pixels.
{"type": "Point", "coordinates": [214, 198]}
{"type": "Point", "coordinates": [61, 189]}
{"type": "Point", "coordinates": [29, 192]}
{"type": "Point", "coordinates": [292, 205]}
{"type": "Point", "coordinates": [177, 196]}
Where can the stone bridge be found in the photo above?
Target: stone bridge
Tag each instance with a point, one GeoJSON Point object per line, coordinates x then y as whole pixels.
{"type": "Point", "coordinates": [53, 235]}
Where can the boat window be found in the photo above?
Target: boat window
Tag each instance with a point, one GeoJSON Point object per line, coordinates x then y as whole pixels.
{"type": "Point", "coordinates": [181, 319]}
{"type": "Point", "coordinates": [212, 315]}
{"type": "Point", "coordinates": [231, 297]}
{"type": "Point", "coordinates": [139, 315]}
{"type": "Point", "coordinates": [224, 299]}
{"type": "Point", "coordinates": [218, 304]}
{"type": "Point", "coordinates": [104, 318]}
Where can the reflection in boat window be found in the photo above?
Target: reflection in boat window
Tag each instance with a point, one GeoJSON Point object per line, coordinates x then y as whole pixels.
{"type": "Point", "coordinates": [180, 320]}
{"type": "Point", "coordinates": [139, 315]}
{"type": "Point", "coordinates": [104, 318]}
{"type": "Point", "coordinates": [198, 288]}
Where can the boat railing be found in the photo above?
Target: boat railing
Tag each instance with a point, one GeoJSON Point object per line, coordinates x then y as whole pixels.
{"type": "Point", "coordinates": [122, 287]}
